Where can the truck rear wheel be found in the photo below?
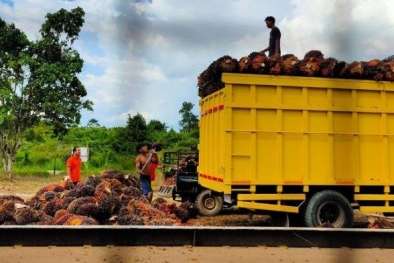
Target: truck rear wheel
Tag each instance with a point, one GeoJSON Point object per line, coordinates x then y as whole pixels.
{"type": "Point", "coordinates": [208, 204]}
{"type": "Point", "coordinates": [328, 209]}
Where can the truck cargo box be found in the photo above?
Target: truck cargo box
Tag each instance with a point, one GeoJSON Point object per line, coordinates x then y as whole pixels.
{"type": "Point", "coordinates": [271, 140]}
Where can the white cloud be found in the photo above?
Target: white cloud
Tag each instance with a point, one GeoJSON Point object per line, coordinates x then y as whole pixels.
{"type": "Point", "coordinates": [146, 57]}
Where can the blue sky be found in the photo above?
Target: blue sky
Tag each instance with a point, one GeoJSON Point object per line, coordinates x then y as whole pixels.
{"type": "Point", "coordinates": [145, 56]}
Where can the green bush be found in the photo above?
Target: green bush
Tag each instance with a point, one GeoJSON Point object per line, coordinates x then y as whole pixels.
{"type": "Point", "coordinates": [97, 160]}
{"type": "Point", "coordinates": [126, 163]}
{"type": "Point", "coordinates": [31, 171]}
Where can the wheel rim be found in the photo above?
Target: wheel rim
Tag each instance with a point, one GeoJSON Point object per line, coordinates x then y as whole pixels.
{"type": "Point", "coordinates": [209, 203]}
{"type": "Point", "coordinates": [331, 214]}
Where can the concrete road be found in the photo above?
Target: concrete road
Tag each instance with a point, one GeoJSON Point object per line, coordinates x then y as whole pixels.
{"type": "Point", "coordinates": [151, 254]}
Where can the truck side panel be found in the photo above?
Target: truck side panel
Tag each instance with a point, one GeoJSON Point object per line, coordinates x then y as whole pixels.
{"type": "Point", "coordinates": [264, 130]}
{"type": "Point", "coordinates": [211, 136]}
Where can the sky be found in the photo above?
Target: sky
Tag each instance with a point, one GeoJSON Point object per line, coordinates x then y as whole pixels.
{"type": "Point", "coordinates": [144, 56]}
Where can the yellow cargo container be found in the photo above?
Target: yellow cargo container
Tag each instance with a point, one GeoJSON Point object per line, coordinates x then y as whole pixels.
{"type": "Point", "coordinates": [302, 145]}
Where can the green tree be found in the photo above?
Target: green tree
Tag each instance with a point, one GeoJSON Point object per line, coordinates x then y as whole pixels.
{"type": "Point", "coordinates": [93, 123]}
{"type": "Point", "coordinates": [119, 141]}
{"type": "Point", "coordinates": [157, 131]}
{"type": "Point", "coordinates": [125, 139]}
{"type": "Point", "coordinates": [39, 80]}
{"type": "Point", "coordinates": [137, 130]}
{"type": "Point", "coordinates": [156, 126]}
{"type": "Point", "coordinates": [189, 121]}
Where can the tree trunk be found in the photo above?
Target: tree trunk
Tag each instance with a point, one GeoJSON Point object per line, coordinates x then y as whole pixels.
{"type": "Point", "coordinates": [8, 167]}
{"type": "Point", "coordinates": [4, 164]}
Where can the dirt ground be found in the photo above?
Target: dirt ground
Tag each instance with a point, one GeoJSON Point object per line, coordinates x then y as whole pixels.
{"type": "Point", "coordinates": [111, 254]}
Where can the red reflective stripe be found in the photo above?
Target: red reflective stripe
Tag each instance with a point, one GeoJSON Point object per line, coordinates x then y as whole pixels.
{"type": "Point", "coordinates": [213, 109]}
{"type": "Point", "coordinates": [213, 178]}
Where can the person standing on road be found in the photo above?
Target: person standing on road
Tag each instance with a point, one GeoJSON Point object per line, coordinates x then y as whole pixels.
{"type": "Point", "coordinates": [275, 35]}
{"type": "Point", "coordinates": [143, 168]}
{"type": "Point", "coordinates": [74, 165]}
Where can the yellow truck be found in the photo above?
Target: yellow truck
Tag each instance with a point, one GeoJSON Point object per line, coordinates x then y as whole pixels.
{"type": "Point", "coordinates": [312, 148]}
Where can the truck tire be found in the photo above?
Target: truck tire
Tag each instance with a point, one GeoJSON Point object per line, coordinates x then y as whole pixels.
{"type": "Point", "coordinates": [328, 209]}
{"type": "Point", "coordinates": [208, 204]}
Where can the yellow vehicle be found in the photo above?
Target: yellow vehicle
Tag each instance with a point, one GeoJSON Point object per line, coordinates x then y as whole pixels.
{"type": "Point", "coordinates": [303, 146]}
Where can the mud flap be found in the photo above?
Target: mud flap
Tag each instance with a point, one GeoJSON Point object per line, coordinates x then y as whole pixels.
{"type": "Point", "coordinates": [166, 191]}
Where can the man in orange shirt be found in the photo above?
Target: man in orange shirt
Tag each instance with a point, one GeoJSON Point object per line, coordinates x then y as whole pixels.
{"type": "Point", "coordinates": [74, 164]}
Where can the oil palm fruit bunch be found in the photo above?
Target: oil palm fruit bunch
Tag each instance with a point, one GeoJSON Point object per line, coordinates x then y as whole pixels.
{"type": "Point", "coordinates": [50, 188]}
{"type": "Point", "coordinates": [191, 208]}
{"type": "Point", "coordinates": [112, 174]}
{"type": "Point", "coordinates": [206, 78]}
{"type": "Point", "coordinates": [327, 67]}
{"type": "Point", "coordinates": [373, 69]}
{"type": "Point", "coordinates": [244, 64]}
{"type": "Point", "coordinates": [389, 58]}
{"type": "Point", "coordinates": [309, 67]}
{"type": "Point", "coordinates": [202, 78]}
{"type": "Point", "coordinates": [388, 70]}
{"type": "Point", "coordinates": [338, 68]}
{"type": "Point", "coordinates": [52, 207]}
{"type": "Point", "coordinates": [357, 69]}
{"type": "Point", "coordinates": [61, 216]}
{"type": "Point", "coordinates": [77, 220]}
{"type": "Point", "coordinates": [317, 54]}
{"type": "Point", "coordinates": [259, 63]}
{"type": "Point", "coordinates": [353, 70]}
{"type": "Point", "coordinates": [288, 63]}
{"type": "Point", "coordinates": [274, 64]}
{"type": "Point", "coordinates": [25, 216]}
{"type": "Point", "coordinates": [93, 180]}
{"type": "Point", "coordinates": [226, 64]}
{"type": "Point", "coordinates": [7, 209]}
{"type": "Point", "coordinates": [213, 87]}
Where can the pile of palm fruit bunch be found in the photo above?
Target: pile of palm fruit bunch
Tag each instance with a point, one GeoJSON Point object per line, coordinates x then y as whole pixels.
{"type": "Point", "coordinates": [255, 62]}
{"type": "Point", "coordinates": [112, 198]}
{"type": "Point", "coordinates": [209, 80]}
{"type": "Point", "coordinates": [169, 181]}
{"type": "Point", "coordinates": [313, 64]}
{"type": "Point", "coordinates": [379, 223]}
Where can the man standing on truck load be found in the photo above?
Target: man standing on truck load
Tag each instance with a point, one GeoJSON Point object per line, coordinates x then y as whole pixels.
{"type": "Point", "coordinates": [142, 167]}
{"type": "Point", "coordinates": [274, 42]}
{"type": "Point", "coordinates": [74, 164]}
